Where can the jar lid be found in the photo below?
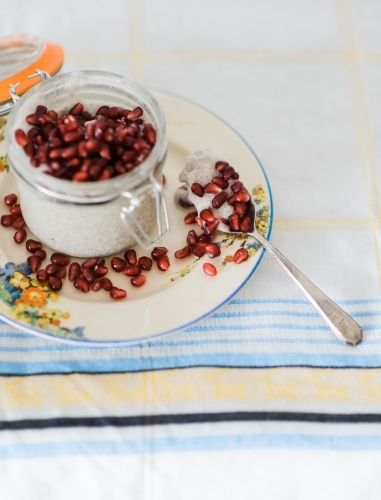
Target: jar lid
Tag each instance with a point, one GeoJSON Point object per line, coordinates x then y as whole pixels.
{"type": "Point", "coordinates": [21, 58]}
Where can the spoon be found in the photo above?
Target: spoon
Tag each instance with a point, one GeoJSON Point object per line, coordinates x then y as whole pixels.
{"type": "Point", "coordinates": [342, 325]}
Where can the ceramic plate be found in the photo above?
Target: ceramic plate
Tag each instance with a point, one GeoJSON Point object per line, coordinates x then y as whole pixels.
{"type": "Point", "coordinates": [169, 300]}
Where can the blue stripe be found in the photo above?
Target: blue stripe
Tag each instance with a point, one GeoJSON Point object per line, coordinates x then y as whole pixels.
{"type": "Point", "coordinates": [254, 360]}
{"type": "Point", "coordinates": [189, 444]}
{"type": "Point", "coordinates": [247, 314]}
{"type": "Point", "coordinates": [348, 302]}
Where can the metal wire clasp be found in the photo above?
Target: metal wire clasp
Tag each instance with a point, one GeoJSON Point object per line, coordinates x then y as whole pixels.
{"type": "Point", "coordinates": [12, 88]}
{"type": "Point", "coordinates": [155, 190]}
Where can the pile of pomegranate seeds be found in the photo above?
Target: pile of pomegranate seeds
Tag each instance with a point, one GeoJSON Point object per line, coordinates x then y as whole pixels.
{"type": "Point", "coordinates": [222, 202]}
{"type": "Point", "coordinates": [79, 146]}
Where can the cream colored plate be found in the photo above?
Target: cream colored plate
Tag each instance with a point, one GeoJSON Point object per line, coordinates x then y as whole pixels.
{"type": "Point", "coordinates": [168, 301]}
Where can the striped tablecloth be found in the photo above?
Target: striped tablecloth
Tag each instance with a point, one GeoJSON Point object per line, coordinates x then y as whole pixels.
{"type": "Point", "coordinates": [259, 400]}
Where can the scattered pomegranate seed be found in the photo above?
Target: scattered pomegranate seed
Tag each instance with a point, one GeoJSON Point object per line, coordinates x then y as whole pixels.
{"type": "Point", "coordinates": [89, 263]}
{"type": "Point", "coordinates": [209, 269]}
{"type": "Point", "coordinates": [19, 236]}
{"type": "Point", "coordinates": [88, 275]}
{"type": "Point", "coordinates": [7, 220]}
{"type": "Point", "coordinates": [42, 275]}
{"type": "Point", "coordinates": [82, 284]}
{"type": "Point", "coordinates": [54, 283]}
{"type": "Point", "coordinates": [241, 255]}
{"type": "Point", "coordinates": [117, 293]}
{"type": "Point", "coordinates": [34, 263]}
{"type": "Point", "coordinates": [10, 200]}
{"type": "Point", "coordinates": [41, 254]}
{"type": "Point", "coordinates": [207, 216]}
{"type": "Point", "coordinates": [19, 223]}
{"type": "Point", "coordinates": [130, 256]}
{"type": "Point", "coordinates": [118, 264]}
{"type": "Point", "coordinates": [220, 165]}
{"type": "Point", "coordinates": [220, 199]}
{"type": "Point", "coordinates": [190, 218]}
{"type": "Point", "coordinates": [106, 284]}
{"type": "Point", "coordinates": [15, 209]}
{"type": "Point", "coordinates": [60, 259]}
{"type": "Point", "coordinates": [74, 271]}
{"type": "Point", "coordinates": [145, 263]}
{"type": "Point", "coordinates": [51, 269]}
{"type": "Point", "coordinates": [100, 271]}
{"type": "Point", "coordinates": [33, 245]}
{"type": "Point", "coordinates": [227, 173]}
{"type": "Point", "coordinates": [220, 182]}
{"type": "Point", "coordinates": [212, 188]}
{"type": "Point", "coordinates": [96, 286]}
{"type": "Point", "coordinates": [163, 263]}
{"type": "Point", "coordinates": [199, 250]}
{"type": "Point", "coordinates": [183, 252]}
{"type": "Point", "coordinates": [157, 252]}
{"type": "Point", "coordinates": [61, 274]}
{"type": "Point", "coordinates": [133, 270]}
{"type": "Point", "coordinates": [213, 250]}
{"type": "Point", "coordinates": [138, 280]}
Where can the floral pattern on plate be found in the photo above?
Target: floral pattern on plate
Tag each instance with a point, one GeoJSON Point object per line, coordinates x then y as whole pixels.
{"type": "Point", "coordinates": [28, 301]}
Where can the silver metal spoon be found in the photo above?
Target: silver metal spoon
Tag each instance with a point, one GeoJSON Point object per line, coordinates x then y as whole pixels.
{"type": "Point", "coordinates": [342, 325]}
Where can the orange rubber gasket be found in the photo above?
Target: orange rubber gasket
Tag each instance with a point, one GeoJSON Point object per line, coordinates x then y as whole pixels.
{"type": "Point", "coordinates": [50, 61]}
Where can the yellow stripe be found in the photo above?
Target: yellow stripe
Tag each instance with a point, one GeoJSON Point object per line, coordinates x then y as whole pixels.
{"type": "Point", "coordinates": [143, 392]}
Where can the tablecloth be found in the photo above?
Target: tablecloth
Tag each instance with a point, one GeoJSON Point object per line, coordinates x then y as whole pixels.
{"type": "Point", "coordinates": [259, 400]}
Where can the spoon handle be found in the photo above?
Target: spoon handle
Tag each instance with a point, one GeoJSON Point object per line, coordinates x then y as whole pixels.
{"type": "Point", "coordinates": [342, 325]}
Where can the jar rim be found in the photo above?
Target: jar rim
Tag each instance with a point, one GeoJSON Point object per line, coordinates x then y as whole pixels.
{"type": "Point", "coordinates": [86, 192]}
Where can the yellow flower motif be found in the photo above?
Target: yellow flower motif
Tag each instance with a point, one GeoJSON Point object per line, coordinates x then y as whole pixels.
{"type": "Point", "coordinates": [21, 308]}
{"type": "Point", "coordinates": [3, 163]}
{"type": "Point", "coordinates": [43, 322]}
{"type": "Point", "coordinates": [54, 297]}
{"type": "Point", "coordinates": [251, 251]}
{"type": "Point", "coordinates": [262, 226]}
{"type": "Point", "coordinates": [19, 280]}
{"type": "Point", "coordinates": [66, 315]}
{"type": "Point", "coordinates": [229, 258]}
{"type": "Point", "coordinates": [34, 282]}
{"type": "Point", "coordinates": [53, 313]}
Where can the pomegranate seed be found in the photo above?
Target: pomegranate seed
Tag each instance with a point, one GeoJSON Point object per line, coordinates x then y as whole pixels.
{"type": "Point", "coordinates": [53, 114]}
{"type": "Point", "coordinates": [88, 275]}
{"type": "Point", "coordinates": [19, 223]}
{"type": "Point", "coordinates": [21, 138]}
{"type": "Point", "coordinates": [41, 254]}
{"type": "Point", "coordinates": [145, 263]}
{"type": "Point", "coordinates": [60, 259]}
{"type": "Point", "coordinates": [192, 238]}
{"type": "Point", "coordinates": [92, 146]}
{"type": "Point", "coordinates": [100, 271]}
{"type": "Point", "coordinates": [52, 269]}
{"type": "Point", "coordinates": [200, 222]}
{"type": "Point", "coordinates": [89, 263]}
{"type": "Point", "coordinates": [190, 218]}
{"type": "Point", "coordinates": [34, 263]}
{"type": "Point", "coordinates": [81, 177]}
{"type": "Point", "coordinates": [7, 220]}
{"type": "Point", "coordinates": [246, 226]}
{"type": "Point", "coordinates": [242, 197]}
{"type": "Point", "coordinates": [197, 189]}
{"type": "Point", "coordinates": [117, 293]}
{"type": "Point", "coordinates": [106, 284]}
{"type": "Point", "coordinates": [42, 275]}
{"type": "Point", "coordinates": [234, 222]}
{"type": "Point", "coordinates": [33, 245]}
{"type": "Point", "coordinates": [118, 264]}
{"type": "Point", "coordinates": [199, 250]}
{"type": "Point", "coordinates": [15, 209]}
{"type": "Point", "coordinates": [209, 269]}
{"type": "Point", "coordinates": [61, 274]}
{"type": "Point", "coordinates": [203, 238]}
{"type": "Point", "coordinates": [236, 186]}
{"type": "Point", "coordinates": [82, 284]}
{"type": "Point", "coordinates": [103, 110]}
{"type": "Point", "coordinates": [213, 250]}
{"type": "Point", "coordinates": [211, 227]}
{"type": "Point", "coordinates": [163, 263]}
{"type": "Point", "coordinates": [212, 189]}
{"type": "Point", "coordinates": [227, 173]}
{"type": "Point", "coordinates": [133, 270]}
{"type": "Point", "coordinates": [183, 252]}
{"type": "Point", "coordinates": [33, 120]}
{"type": "Point", "coordinates": [77, 109]}
{"type": "Point", "coordinates": [240, 208]}
{"type": "Point", "coordinates": [220, 199]}
{"type": "Point", "coordinates": [72, 137]}
{"type": "Point", "coordinates": [163, 180]}
{"type": "Point", "coordinates": [138, 280]}
{"type": "Point", "coordinates": [241, 255]}
{"type": "Point", "coordinates": [135, 113]}
{"type": "Point", "coordinates": [54, 283]}
{"type": "Point", "coordinates": [10, 200]}
{"type": "Point", "coordinates": [41, 110]}
{"type": "Point", "coordinates": [235, 176]}
{"type": "Point", "coordinates": [157, 252]}
{"type": "Point", "coordinates": [97, 285]}
{"type": "Point", "coordinates": [206, 215]}
{"type": "Point", "coordinates": [100, 261]}
{"type": "Point", "coordinates": [220, 165]}
{"type": "Point", "coordinates": [19, 236]}
{"type": "Point", "coordinates": [130, 256]}
{"type": "Point", "coordinates": [74, 271]}
{"type": "Point", "coordinates": [220, 182]}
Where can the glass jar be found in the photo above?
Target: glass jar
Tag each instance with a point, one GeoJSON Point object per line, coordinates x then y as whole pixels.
{"type": "Point", "coordinates": [100, 218]}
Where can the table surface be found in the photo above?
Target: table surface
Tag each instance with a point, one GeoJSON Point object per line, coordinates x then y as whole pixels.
{"type": "Point", "coordinates": [259, 398]}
